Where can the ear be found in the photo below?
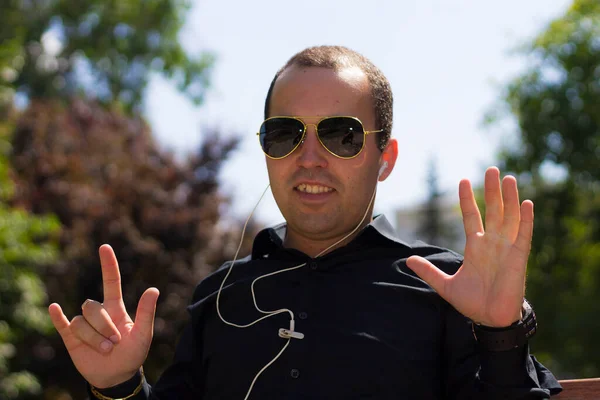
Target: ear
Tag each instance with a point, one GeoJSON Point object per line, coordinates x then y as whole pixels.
{"type": "Point", "coordinates": [389, 156]}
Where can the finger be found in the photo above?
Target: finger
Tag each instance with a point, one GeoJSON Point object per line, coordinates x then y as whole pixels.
{"type": "Point", "coordinates": [144, 317]}
{"type": "Point", "coordinates": [58, 318]}
{"type": "Point", "coordinates": [62, 325]}
{"type": "Point", "coordinates": [111, 277]}
{"type": "Point", "coordinates": [512, 210]}
{"type": "Point", "coordinates": [95, 315]}
{"type": "Point", "coordinates": [523, 242]}
{"type": "Point", "coordinates": [470, 211]}
{"type": "Point", "coordinates": [494, 207]}
{"type": "Point", "coordinates": [88, 335]}
{"type": "Point", "coordinates": [431, 274]}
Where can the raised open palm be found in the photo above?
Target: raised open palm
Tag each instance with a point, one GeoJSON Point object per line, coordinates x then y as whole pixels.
{"type": "Point", "coordinates": [106, 346]}
{"type": "Point", "coordinates": [489, 287]}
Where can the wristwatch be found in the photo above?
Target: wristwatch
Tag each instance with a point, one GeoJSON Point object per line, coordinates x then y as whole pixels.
{"type": "Point", "coordinates": [508, 338]}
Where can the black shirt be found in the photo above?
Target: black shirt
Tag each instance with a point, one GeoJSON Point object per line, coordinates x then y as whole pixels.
{"type": "Point", "coordinates": [373, 330]}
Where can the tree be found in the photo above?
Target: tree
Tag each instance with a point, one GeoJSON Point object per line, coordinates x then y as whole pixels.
{"type": "Point", "coordinates": [435, 227]}
{"type": "Point", "coordinates": [27, 244]}
{"type": "Point", "coordinates": [81, 151]}
{"type": "Point", "coordinates": [105, 49]}
{"type": "Point", "coordinates": [555, 104]}
{"type": "Point", "coordinates": [101, 173]}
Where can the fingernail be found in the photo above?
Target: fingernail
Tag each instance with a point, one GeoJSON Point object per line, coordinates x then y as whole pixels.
{"type": "Point", "coordinates": [106, 345]}
{"type": "Point", "coordinates": [87, 301]}
{"type": "Point", "coordinates": [114, 338]}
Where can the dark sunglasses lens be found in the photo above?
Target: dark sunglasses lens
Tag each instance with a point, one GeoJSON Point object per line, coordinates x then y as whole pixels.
{"type": "Point", "coordinates": [342, 136]}
{"type": "Point", "coordinates": [280, 136]}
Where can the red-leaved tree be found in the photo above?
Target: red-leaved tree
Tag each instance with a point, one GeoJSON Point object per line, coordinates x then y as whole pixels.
{"type": "Point", "coordinates": [103, 175]}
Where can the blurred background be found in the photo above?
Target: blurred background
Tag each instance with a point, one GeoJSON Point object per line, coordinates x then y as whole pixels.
{"type": "Point", "coordinates": [133, 123]}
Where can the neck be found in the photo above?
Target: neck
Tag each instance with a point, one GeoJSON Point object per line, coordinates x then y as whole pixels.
{"type": "Point", "coordinates": [316, 246]}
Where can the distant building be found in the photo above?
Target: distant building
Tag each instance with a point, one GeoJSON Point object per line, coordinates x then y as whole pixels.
{"type": "Point", "coordinates": [410, 219]}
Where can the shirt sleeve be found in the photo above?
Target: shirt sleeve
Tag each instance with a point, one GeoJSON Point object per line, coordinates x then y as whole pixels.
{"type": "Point", "coordinates": [175, 383]}
{"type": "Point", "coordinates": [474, 373]}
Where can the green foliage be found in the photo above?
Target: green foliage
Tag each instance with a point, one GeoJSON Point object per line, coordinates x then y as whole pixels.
{"type": "Point", "coordinates": [107, 49]}
{"type": "Point", "coordinates": [81, 152]}
{"type": "Point", "coordinates": [24, 248]}
{"type": "Point", "coordinates": [19, 385]}
{"type": "Point", "coordinates": [556, 100]}
{"type": "Point", "coordinates": [556, 104]}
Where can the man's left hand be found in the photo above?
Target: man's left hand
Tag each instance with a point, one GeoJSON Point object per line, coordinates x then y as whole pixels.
{"type": "Point", "coordinates": [489, 286]}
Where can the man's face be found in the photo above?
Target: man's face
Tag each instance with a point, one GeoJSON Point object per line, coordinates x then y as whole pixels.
{"type": "Point", "coordinates": [323, 197]}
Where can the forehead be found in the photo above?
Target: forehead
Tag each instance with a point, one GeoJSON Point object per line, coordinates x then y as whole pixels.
{"type": "Point", "coordinates": [321, 91]}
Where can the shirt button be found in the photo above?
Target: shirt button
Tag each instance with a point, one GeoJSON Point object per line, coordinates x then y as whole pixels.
{"type": "Point", "coordinates": [313, 265]}
{"type": "Point", "coordinates": [302, 315]}
{"type": "Point", "coordinates": [294, 373]}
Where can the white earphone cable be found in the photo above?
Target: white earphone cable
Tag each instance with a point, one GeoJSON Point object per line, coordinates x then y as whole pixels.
{"type": "Point", "coordinates": [281, 310]}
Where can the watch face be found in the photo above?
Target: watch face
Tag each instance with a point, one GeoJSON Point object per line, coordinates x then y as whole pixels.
{"type": "Point", "coordinates": [527, 309]}
{"type": "Point", "coordinates": [529, 320]}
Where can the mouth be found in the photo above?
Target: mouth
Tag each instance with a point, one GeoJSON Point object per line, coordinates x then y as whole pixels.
{"type": "Point", "coordinates": [313, 189]}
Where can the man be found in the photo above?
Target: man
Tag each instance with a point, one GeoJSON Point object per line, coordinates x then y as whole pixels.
{"type": "Point", "coordinates": [341, 308]}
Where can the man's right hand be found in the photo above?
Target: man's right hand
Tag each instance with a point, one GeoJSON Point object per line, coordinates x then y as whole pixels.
{"type": "Point", "coordinates": [106, 346]}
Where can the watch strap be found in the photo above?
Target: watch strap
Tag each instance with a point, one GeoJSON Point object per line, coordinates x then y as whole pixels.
{"type": "Point", "coordinates": [507, 338]}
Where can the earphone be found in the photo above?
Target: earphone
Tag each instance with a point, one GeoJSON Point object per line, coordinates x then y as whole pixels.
{"type": "Point", "coordinates": [283, 333]}
{"type": "Point", "coordinates": [382, 169]}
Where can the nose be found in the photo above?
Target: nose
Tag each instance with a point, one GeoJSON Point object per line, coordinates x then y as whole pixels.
{"type": "Point", "coordinates": [311, 154]}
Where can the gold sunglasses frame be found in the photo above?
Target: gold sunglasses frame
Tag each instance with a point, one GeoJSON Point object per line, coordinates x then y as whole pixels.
{"type": "Point", "coordinates": [300, 119]}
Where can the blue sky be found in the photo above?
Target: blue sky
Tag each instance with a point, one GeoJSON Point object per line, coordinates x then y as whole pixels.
{"type": "Point", "coordinates": [445, 60]}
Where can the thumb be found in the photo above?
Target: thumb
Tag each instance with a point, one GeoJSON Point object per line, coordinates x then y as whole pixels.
{"type": "Point", "coordinates": [431, 274]}
{"type": "Point", "coordinates": [144, 317]}
{"type": "Point", "coordinates": [62, 325]}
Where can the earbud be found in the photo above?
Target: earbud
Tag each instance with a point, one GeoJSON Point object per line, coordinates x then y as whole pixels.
{"type": "Point", "coordinates": [382, 169]}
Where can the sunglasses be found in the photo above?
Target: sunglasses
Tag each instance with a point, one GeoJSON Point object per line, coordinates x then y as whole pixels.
{"type": "Point", "coordinates": [344, 137]}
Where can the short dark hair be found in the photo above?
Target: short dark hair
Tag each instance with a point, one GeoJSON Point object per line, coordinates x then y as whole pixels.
{"type": "Point", "coordinates": [337, 58]}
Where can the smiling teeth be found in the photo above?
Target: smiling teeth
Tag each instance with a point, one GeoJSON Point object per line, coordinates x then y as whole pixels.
{"type": "Point", "coordinates": [313, 188]}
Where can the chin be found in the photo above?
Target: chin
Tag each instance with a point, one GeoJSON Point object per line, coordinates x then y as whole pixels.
{"type": "Point", "coordinates": [317, 224]}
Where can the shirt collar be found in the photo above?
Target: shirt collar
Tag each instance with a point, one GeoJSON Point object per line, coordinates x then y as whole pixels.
{"type": "Point", "coordinates": [271, 239]}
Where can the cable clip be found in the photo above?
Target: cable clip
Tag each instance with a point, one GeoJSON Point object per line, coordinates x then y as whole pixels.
{"type": "Point", "coordinates": [287, 334]}
{"type": "Point", "coordinates": [290, 333]}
